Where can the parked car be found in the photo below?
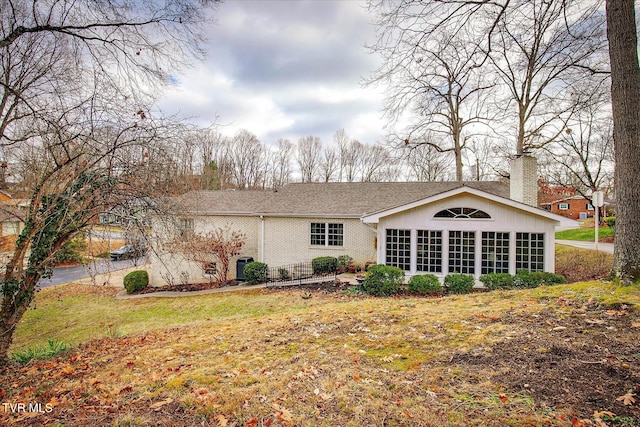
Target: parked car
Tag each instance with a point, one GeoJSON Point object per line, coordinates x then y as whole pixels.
{"type": "Point", "coordinates": [127, 252]}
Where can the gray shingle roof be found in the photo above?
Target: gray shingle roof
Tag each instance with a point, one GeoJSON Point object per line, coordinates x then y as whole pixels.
{"type": "Point", "coordinates": [322, 199]}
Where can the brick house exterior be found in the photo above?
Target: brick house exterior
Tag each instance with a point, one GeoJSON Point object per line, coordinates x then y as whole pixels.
{"type": "Point", "coordinates": [470, 227]}
{"type": "Point", "coordinates": [574, 207]}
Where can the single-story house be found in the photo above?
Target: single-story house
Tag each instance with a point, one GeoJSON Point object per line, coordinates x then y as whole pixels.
{"type": "Point", "coordinates": [420, 227]}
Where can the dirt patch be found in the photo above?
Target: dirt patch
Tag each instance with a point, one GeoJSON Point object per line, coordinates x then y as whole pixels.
{"type": "Point", "coordinates": [584, 358]}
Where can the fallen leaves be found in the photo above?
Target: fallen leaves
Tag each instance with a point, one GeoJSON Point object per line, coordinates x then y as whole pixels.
{"type": "Point", "coordinates": [158, 405]}
{"type": "Point", "coordinates": [627, 399]}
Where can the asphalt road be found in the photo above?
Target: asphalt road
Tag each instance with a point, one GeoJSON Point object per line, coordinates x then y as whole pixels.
{"type": "Point", "coordinates": [69, 274]}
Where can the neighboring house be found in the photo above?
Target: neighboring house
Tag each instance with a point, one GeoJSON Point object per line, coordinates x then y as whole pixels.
{"type": "Point", "coordinates": [12, 213]}
{"type": "Point", "coordinates": [433, 227]}
{"type": "Point", "coordinates": [133, 214]}
{"type": "Point", "coordinates": [574, 207]}
{"type": "Point", "coordinates": [11, 225]}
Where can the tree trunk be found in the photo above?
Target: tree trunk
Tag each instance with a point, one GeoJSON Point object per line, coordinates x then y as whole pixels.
{"type": "Point", "coordinates": [625, 97]}
{"type": "Point", "coordinates": [12, 312]}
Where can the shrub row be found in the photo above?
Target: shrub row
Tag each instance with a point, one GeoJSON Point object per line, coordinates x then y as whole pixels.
{"type": "Point", "coordinates": [383, 280]}
{"type": "Point", "coordinates": [324, 264]}
{"type": "Point", "coordinates": [524, 279]}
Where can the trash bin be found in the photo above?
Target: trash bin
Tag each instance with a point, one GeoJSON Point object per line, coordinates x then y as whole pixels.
{"type": "Point", "coordinates": [240, 263]}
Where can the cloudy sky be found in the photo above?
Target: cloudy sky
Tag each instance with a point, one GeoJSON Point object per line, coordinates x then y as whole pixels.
{"type": "Point", "coordinates": [285, 69]}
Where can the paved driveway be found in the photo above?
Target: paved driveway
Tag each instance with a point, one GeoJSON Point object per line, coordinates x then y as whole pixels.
{"type": "Point", "coordinates": [603, 247]}
{"type": "Point", "coordinates": [77, 272]}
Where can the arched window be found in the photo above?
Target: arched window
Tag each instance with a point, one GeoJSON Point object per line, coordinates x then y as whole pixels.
{"type": "Point", "coordinates": [466, 213]}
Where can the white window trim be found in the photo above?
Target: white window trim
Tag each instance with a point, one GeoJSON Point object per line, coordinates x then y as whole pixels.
{"type": "Point", "coordinates": [326, 235]}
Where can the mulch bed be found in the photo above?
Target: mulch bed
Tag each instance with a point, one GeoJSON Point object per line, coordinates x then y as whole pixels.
{"type": "Point", "coordinates": [186, 287]}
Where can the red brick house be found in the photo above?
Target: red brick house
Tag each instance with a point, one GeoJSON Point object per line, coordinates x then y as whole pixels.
{"type": "Point", "coordinates": [574, 207]}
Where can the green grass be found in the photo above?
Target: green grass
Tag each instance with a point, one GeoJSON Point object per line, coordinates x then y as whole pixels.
{"type": "Point", "coordinates": [52, 349]}
{"type": "Point", "coordinates": [77, 314]}
{"type": "Point", "coordinates": [584, 234]}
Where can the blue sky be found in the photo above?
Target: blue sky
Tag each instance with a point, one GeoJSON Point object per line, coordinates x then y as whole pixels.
{"type": "Point", "coordinates": [285, 69]}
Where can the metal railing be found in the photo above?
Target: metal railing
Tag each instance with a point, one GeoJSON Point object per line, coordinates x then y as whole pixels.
{"type": "Point", "coordinates": [299, 274]}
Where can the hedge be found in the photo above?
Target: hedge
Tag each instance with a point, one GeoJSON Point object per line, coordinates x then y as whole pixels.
{"type": "Point", "coordinates": [324, 264]}
{"type": "Point", "coordinates": [457, 283]}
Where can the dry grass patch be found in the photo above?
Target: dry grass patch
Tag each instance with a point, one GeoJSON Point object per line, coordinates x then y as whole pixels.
{"type": "Point", "coordinates": [336, 360]}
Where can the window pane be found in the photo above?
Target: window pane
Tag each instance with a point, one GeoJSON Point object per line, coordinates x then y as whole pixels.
{"type": "Point", "coordinates": [318, 233]}
{"type": "Point", "coordinates": [462, 252]}
{"type": "Point", "coordinates": [398, 248]}
{"type": "Point", "coordinates": [495, 252]}
{"type": "Point", "coordinates": [429, 251]}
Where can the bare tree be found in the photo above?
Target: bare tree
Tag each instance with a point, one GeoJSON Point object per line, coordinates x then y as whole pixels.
{"type": "Point", "coordinates": [425, 163]}
{"type": "Point", "coordinates": [434, 78]}
{"type": "Point", "coordinates": [584, 151]}
{"type": "Point", "coordinates": [281, 169]}
{"type": "Point", "coordinates": [308, 157]}
{"type": "Point", "coordinates": [75, 90]}
{"type": "Point", "coordinates": [329, 164]}
{"type": "Point", "coordinates": [246, 154]}
{"type": "Point", "coordinates": [540, 55]}
{"type": "Point", "coordinates": [351, 159]}
{"type": "Point", "coordinates": [341, 139]}
{"type": "Point", "coordinates": [376, 163]}
{"type": "Point", "coordinates": [212, 252]}
{"type": "Point", "coordinates": [483, 158]}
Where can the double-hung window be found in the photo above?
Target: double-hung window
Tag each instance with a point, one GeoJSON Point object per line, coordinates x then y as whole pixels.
{"type": "Point", "coordinates": [327, 234]}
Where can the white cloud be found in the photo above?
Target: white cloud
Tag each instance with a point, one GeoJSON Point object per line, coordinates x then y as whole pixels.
{"type": "Point", "coordinates": [285, 69]}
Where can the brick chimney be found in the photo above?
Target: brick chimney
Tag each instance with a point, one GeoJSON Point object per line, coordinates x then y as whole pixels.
{"type": "Point", "coordinates": [523, 181]}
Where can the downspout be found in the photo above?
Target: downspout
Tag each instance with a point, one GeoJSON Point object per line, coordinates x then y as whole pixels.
{"type": "Point", "coordinates": [261, 238]}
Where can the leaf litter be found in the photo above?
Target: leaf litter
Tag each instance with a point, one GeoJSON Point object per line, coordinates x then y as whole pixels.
{"type": "Point", "coordinates": [484, 359]}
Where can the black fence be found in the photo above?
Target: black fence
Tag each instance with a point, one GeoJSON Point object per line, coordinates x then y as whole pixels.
{"type": "Point", "coordinates": [299, 274]}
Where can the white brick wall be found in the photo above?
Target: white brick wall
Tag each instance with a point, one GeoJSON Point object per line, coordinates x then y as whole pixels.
{"type": "Point", "coordinates": [288, 241]}
{"type": "Point", "coordinates": [171, 268]}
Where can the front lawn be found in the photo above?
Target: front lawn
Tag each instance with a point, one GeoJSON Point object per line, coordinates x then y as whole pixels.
{"type": "Point", "coordinates": [548, 356]}
{"type": "Point", "coordinates": [585, 234]}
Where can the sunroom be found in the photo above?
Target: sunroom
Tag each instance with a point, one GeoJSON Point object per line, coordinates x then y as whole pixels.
{"type": "Point", "coordinates": [465, 231]}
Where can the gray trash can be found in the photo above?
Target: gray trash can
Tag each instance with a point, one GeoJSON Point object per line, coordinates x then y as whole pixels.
{"type": "Point", "coordinates": [240, 263]}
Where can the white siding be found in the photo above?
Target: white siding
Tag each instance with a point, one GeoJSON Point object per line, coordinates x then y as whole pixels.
{"type": "Point", "coordinates": [503, 219]}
